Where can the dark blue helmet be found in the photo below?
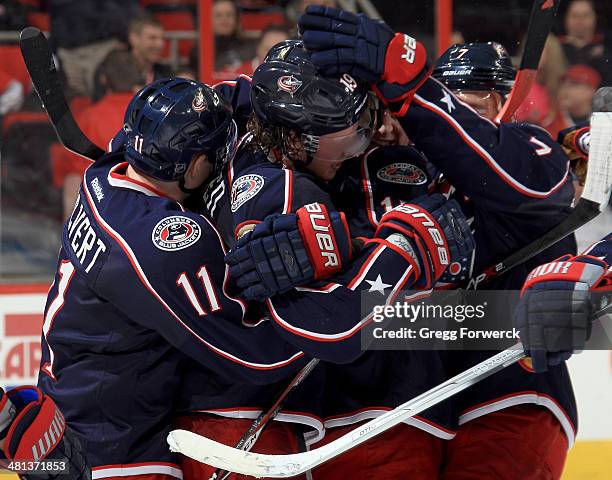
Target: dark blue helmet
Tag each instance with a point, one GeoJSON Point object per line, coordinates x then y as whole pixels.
{"type": "Point", "coordinates": [170, 121]}
{"type": "Point", "coordinates": [476, 66]}
{"type": "Point", "coordinates": [287, 91]}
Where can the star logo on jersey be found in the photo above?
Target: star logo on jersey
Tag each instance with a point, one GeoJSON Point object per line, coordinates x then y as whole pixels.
{"type": "Point", "coordinates": [378, 285]}
{"type": "Point", "coordinates": [448, 100]}
{"type": "Point", "coordinates": [175, 233]}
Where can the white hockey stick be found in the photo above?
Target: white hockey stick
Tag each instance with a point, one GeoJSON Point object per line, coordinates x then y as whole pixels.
{"type": "Point", "coordinates": [259, 465]}
{"type": "Point", "coordinates": [594, 199]}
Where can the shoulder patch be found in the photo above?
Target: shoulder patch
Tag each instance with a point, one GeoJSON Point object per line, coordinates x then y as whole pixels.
{"type": "Point", "coordinates": [244, 188]}
{"type": "Point", "coordinates": [175, 233]}
{"type": "Point", "coordinates": [404, 173]}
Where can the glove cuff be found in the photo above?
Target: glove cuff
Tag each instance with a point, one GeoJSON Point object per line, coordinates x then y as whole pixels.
{"type": "Point", "coordinates": [319, 236]}
{"type": "Point", "coordinates": [37, 429]}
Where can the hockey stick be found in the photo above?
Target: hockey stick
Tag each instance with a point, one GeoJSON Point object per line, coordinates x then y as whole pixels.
{"type": "Point", "coordinates": [595, 198]}
{"type": "Point", "coordinates": [258, 465]}
{"type": "Point", "coordinates": [247, 441]}
{"type": "Point", "coordinates": [542, 16]}
{"type": "Point", "coordinates": [41, 67]}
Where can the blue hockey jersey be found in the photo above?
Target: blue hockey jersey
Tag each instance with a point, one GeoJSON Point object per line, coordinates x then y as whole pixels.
{"type": "Point", "coordinates": [142, 289]}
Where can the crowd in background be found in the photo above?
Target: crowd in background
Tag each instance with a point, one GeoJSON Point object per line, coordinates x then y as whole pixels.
{"type": "Point", "coordinates": [106, 50]}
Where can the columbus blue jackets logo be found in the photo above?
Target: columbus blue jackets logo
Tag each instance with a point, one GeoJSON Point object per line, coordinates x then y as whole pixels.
{"type": "Point", "coordinates": [288, 83]}
{"type": "Point", "coordinates": [175, 233]}
{"type": "Point", "coordinates": [244, 188]}
{"type": "Point", "coordinates": [199, 102]}
{"type": "Point", "coordinates": [404, 173]}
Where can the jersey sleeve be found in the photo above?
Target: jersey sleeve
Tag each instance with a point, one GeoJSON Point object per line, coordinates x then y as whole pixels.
{"type": "Point", "coordinates": [500, 167]}
{"type": "Point", "coordinates": [167, 274]}
{"type": "Point", "coordinates": [325, 318]}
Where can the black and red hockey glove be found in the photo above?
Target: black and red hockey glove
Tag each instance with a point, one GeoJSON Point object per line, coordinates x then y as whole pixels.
{"type": "Point", "coordinates": [285, 251]}
{"type": "Point", "coordinates": [343, 42]}
{"type": "Point", "coordinates": [435, 232]}
{"type": "Point", "coordinates": [35, 430]}
{"type": "Point", "coordinates": [554, 314]}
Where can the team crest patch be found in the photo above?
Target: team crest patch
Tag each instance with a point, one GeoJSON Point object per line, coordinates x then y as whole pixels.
{"type": "Point", "coordinates": [245, 188]}
{"type": "Point", "coordinates": [175, 233]}
{"type": "Point", "coordinates": [404, 173]}
{"type": "Point", "coordinates": [288, 83]}
{"type": "Point", "coordinates": [199, 102]}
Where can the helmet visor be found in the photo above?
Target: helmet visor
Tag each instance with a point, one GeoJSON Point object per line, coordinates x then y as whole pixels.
{"type": "Point", "coordinates": [350, 142]}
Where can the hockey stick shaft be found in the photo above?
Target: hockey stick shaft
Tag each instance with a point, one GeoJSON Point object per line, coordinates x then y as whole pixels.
{"type": "Point", "coordinates": [247, 441]}
{"type": "Point", "coordinates": [542, 16]}
{"type": "Point", "coordinates": [41, 67]}
{"type": "Point", "coordinates": [282, 466]}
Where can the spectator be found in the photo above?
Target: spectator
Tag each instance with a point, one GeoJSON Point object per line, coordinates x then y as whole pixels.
{"type": "Point", "coordinates": [12, 15]}
{"type": "Point", "coordinates": [230, 48]}
{"type": "Point", "coordinates": [582, 43]}
{"type": "Point", "coordinates": [146, 38]}
{"type": "Point", "coordinates": [270, 36]}
{"type": "Point", "coordinates": [578, 86]}
{"type": "Point", "coordinates": [83, 32]}
{"type": "Point", "coordinates": [541, 105]}
{"type": "Point", "coordinates": [552, 67]}
{"type": "Point", "coordinates": [11, 94]}
{"type": "Point", "coordinates": [101, 121]}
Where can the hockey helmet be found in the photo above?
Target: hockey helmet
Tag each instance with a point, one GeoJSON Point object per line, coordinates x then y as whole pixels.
{"type": "Point", "coordinates": [287, 91]}
{"type": "Point", "coordinates": [476, 66]}
{"type": "Point", "coordinates": [170, 121]}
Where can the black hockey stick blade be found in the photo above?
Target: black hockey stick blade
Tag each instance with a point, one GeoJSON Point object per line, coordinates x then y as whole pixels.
{"type": "Point", "coordinates": [595, 196]}
{"type": "Point", "coordinates": [41, 67]}
{"type": "Point", "coordinates": [541, 20]}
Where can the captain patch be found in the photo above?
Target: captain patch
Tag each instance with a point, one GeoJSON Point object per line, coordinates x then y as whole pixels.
{"type": "Point", "coordinates": [404, 173]}
{"type": "Point", "coordinates": [175, 233]}
{"type": "Point", "coordinates": [245, 188]}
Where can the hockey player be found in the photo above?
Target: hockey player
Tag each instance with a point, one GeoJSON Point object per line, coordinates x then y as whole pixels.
{"type": "Point", "coordinates": [141, 287]}
{"type": "Point", "coordinates": [558, 302]}
{"type": "Point", "coordinates": [521, 190]}
{"type": "Point", "coordinates": [303, 128]}
{"type": "Point", "coordinates": [142, 290]}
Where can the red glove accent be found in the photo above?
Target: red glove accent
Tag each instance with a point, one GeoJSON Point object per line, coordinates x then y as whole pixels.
{"type": "Point", "coordinates": [37, 429]}
{"type": "Point", "coordinates": [405, 60]}
{"type": "Point", "coordinates": [568, 269]}
{"type": "Point", "coordinates": [418, 224]}
{"type": "Point", "coordinates": [319, 238]}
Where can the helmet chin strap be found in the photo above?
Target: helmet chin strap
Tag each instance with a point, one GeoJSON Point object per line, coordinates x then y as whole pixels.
{"type": "Point", "coordinates": [190, 191]}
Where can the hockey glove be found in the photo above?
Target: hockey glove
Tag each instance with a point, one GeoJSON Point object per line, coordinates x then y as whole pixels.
{"type": "Point", "coordinates": [433, 231]}
{"type": "Point", "coordinates": [34, 429]}
{"type": "Point", "coordinates": [554, 314]}
{"type": "Point", "coordinates": [284, 251]}
{"type": "Point", "coordinates": [344, 42]}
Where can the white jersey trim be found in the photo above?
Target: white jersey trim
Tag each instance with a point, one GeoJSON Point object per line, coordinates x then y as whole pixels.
{"type": "Point", "coordinates": [521, 399]}
{"type": "Point", "coordinates": [143, 278]}
{"type": "Point", "coordinates": [487, 156]}
{"type": "Point", "coordinates": [109, 471]}
{"type": "Point", "coordinates": [369, 414]}
{"type": "Point", "coordinates": [317, 433]}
